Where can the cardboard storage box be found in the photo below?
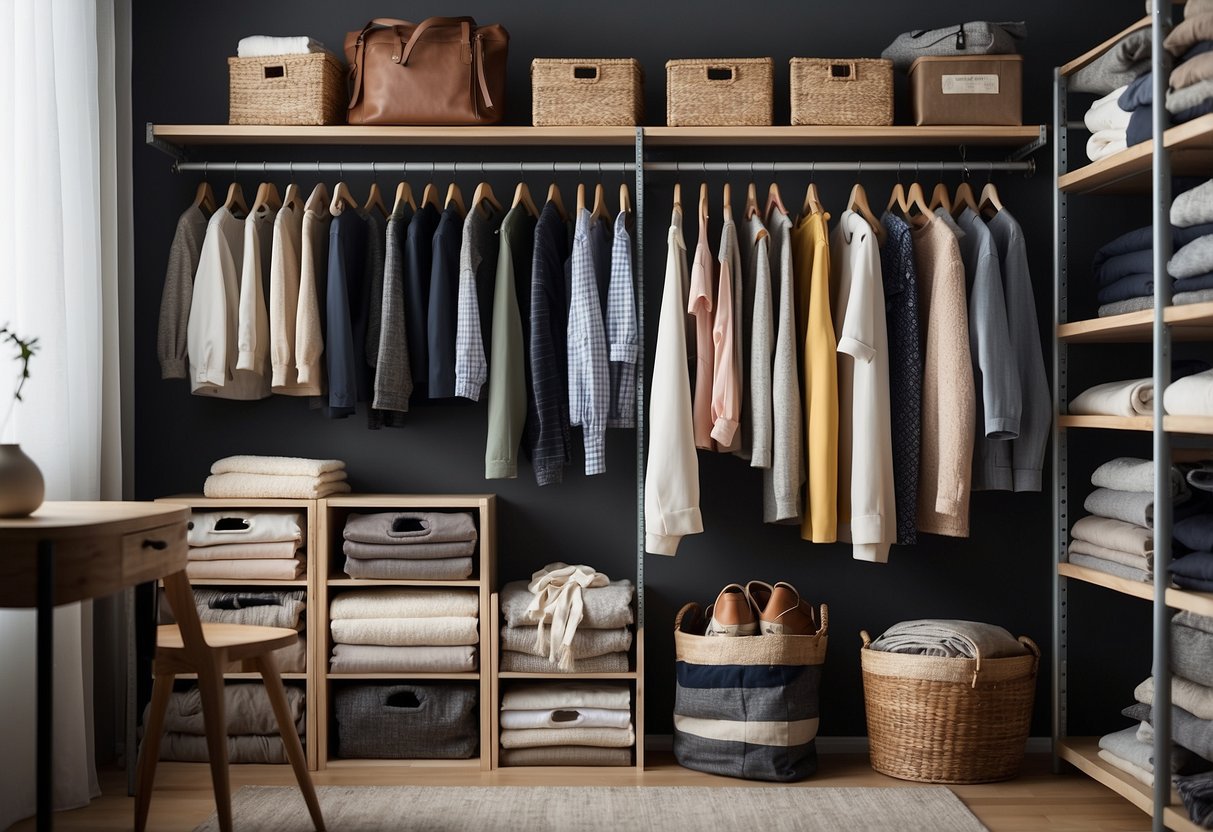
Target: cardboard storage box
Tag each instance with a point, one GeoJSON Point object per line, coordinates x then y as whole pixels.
{"type": "Point", "coordinates": [962, 90]}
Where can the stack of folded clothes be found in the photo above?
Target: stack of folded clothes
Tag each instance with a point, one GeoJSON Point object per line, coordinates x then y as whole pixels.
{"type": "Point", "coordinates": [1124, 268]}
{"type": "Point", "coordinates": [1191, 88]}
{"type": "Point", "coordinates": [274, 608]}
{"type": "Point", "coordinates": [241, 545]}
{"type": "Point", "coordinates": [405, 631]}
{"type": "Point", "coordinates": [410, 545]}
{"type": "Point", "coordinates": [1131, 397]}
{"type": "Point", "coordinates": [1192, 566]}
{"type": "Point", "coordinates": [1107, 123]}
{"type": "Point", "coordinates": [1190, 396]}
{"type": "Point", "coordinates": [566, 724]}
{"type": "Point", "coordinates": [1192, 261]}
{"type": "Point", "coordinates": [568, 619]}
{"type": "Point", "coordinates": [249, 477]}
{"type": "Point", "coordinates": [252, 730]}
{"type": "Point", "coordinates": [1117, 537]}
{"type": "Point", "coordinates": [1128, 58]}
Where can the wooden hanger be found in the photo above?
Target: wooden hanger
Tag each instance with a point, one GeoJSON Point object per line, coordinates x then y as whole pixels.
{"type": "Point", "coordinates": [917, 199]}
{"type": "Point", "coordinates": [678, 196]}
{"type": "Point", "coordinates": [599, 211]}
{"type": "Point", "coordinates": [990, 201]}
{"type": "Point", "coordinates": [858, 202]}
{"type": "Point", "coordinates": [375, 200]}
{"type": "Point", "coordinates": [751, 201]}
{"type": "Point", "coordinates": [341, 198]}
{"type": "Point", "coordinates": [556, 201]}
{"type": "Point", "coordinates": [204, 197]}
{"type": "Point", "coordinates": [625, 198]}
{"type": "Point", "coordinates": [267, 197]}
{"type": "Point", "coordinates": [812, 200]}
{"type": "Point", "coordinates": [775, 201]}
{"type": "Point", "coordinates": [897, 199]}
{"type": "Point", "coordinates": [429, 196]}
{"type": "Point", "coordinates": [703, 200]}
{"type": "Point", "coordinates": [727, 202]}
{"type": "Point", "coordinates": [963, 198]}
{"type": "Point", "coordinates": [522, 196]}
{"type": "Point", "coordinates": [483, 194]}
{"type": "Point", "coordinates": [940, 198]}
{"type": "Point", "coordinates": [404, 195]}
{"type": "Point", "coordinates": [454, 195]}
{"type": "Point", "coordinates": [580, 199]}
{"type": "Point", "coordinates": [235, 199]}
{"type": "Point", "coordinates": [291, 199]}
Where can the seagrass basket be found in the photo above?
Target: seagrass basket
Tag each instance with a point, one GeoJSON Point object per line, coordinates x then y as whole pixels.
{"type": "Point", "coordinates": [286, 89]}
{"type": "Point", "coordinates": [587, 92]}
{"type": "Point", "coordinates": [945, 720]}
{"type": "Point", "coordinates": [844, 91]}
{"type": "Point", "coordinates": [720, 92]}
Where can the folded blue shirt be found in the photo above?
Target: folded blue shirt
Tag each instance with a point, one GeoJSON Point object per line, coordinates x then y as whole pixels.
{"type": "Point", "coordinates": [1195, 532]}
{"type": "Point", "coordinates": [1132, 286]}
{"type": "Point", "coordinates": [1141, 122]}
{"type": "Point", "coordinates": [1193, 284]}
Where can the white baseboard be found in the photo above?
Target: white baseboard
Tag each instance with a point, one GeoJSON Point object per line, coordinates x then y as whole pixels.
{"type": "Point", "coordinates": [838, 745]}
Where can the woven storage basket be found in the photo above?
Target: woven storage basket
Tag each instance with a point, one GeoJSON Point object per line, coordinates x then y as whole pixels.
{"type": "Point", "coordinates": [724, 92]}
{"type": "Point", "coordinates": [286, 89]}
{"type": "Point", "coordinates": [848, 91]}
{"type": "Point", "coordinates": [406, 721]}
{"type": "Point", "coordinates": [942, 720]}
{"type": "Point", "coordinates": [596, 92]}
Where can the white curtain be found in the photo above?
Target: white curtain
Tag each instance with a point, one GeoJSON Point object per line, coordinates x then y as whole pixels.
{"type": "Point", "coordinates": [58, 282]}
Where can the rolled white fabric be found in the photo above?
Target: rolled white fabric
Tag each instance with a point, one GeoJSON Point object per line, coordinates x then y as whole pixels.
{"type": "Point", "coordinates": [1105, 113]}
{"type": "Point", "coordinates": [1103, 143]}
{"type": "Point", "coordinates": [260, 46]}
{"type": "Point", "coordinates": [1132, 397]}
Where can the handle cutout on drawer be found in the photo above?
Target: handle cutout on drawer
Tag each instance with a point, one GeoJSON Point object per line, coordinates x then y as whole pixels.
{"type": "Point", "coordinates": [274, 71]}
{"type": "Point", "coordinates": [720, 73]}
{"type": "Point", "coordinates": [232, 524]}
{"type": "Point", "coordinates": [403, 699]}
{"type": "Point", "coordinates": [842, 72]}
{"type": "Point", "coordinates": [158, 545]}
{"type": "Point", "coordinates": [585, 73]}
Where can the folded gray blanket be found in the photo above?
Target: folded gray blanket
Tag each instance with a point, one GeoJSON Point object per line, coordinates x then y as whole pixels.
{"type": "Point", "coordinates": [949, 638]}
{"type": "Point", "coordinates": [1109, 567]}
{"type": "Point", "coordinates": [606, 608]}
{"type": "Point", "coordinates": [241, 748]}
{"type": "Point", "coordinates": [410, 527]}
{"type": "Point", "coordinates": [513, 662]}
{"type": "Point", "coordinates": [408, 551]}
{"type": "Point", "coordinates": [1128, 473]}
{"type": "Point", "coordinates": [1120, 307]}
{"type": "Point", "coordinates": [1143, 562]}
{"type": "Point", "coordinates": [399, 569]}
{"type": "Point", "coordinates": [262, 608]}
{"type": "Point", "coordinates": [1114, 534]}
{"type": "Point", "coordinates": [1129, 506]}
{"type": "Point", "coordinates": [1127, 59]}
{"type": "Point", "coordinates": [1192, 653]}
{"type": "Point", "coordinates": [586, 643]}
{"type": "Point", "coordinates": [1187, 618]}
{"type": "Point", "coordinates": [1195, 735]}
{"type": "Point", "coordinates": [368, 658]}
{"type": "Point", "coordinates": [246, 710]}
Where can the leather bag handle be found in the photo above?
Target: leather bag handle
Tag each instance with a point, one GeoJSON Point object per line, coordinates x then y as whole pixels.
{"type": "Point", "coordinates": [466, 24]}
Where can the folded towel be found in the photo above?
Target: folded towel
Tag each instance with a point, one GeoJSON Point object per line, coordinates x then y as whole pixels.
{"type": "Point", "coordinates": [1128, 58]}
{"type": "Point", "coordinates": [1191, 396]}
{"type": "Point", "coordinates": [1197, 283]}
{"type": "Point", "coordinates": [1133, 397]}
{"type": "Point", "coordinates": [1190, 31]}
{"type": "Point", "coordinates": [246, 710]}
{"type": "Point", "coordinates": [597, 737]}
{"type": "Point", "coordinates": [1109, 567]}
{"type": "Point", "coordinates": [405, 603]}
{"type": "Point", "coordinates": [262, 46]}
{"type": "Point", "coordinates": [566, 718]}
{"type": "Point", "coordinates": [1195, 735]}
{"type": "Point", "coordinates": [1192, 70]}
{"type": "Point", "coordinates": [277, 569]}
{"type": "Point", "coordinates": [1128, 287]}
{"type": "Point", "coordinates": [1106, 114]}
{"type": "Point", "coordinates": [586, 644]}
{"type": "Point", "coordinates": [1192, 654]}
{"type": "Point", "coordinates": [218, 528]}
{"type": "Point", "coordinates": [255, 486]}
{"type": "Point", "coordinates": [398, 569]}
{"type": "Point", "coordinates": [1193, 207]}
{"type": "Point", "coordinates": [1191, 96]}
{"type": "Point", "coordinates": [949, 637]}
{"type": "Point", "coordinates": [1193, 698]}
{"type": "Point", "coordinates": [515, 662]}
{"type": "Point", "coordinates": [1123, 306]}
{"type": "Point", "coordinates": [396, 527]}
{"type": "Point", "coordinates": [408, 551]}
{"type": "Point", "coordinates": [287, 466]}
{"type": "Point", "coordinates": [245, 551]}
{"type": "Point", "coordinates": [605, 608]}
{"type": "Point", "coordinates": [1104, 143]}
{"type": "Point", "coordinates": [1123, 265]}
{"type": "Point", "coordinates": [1200, 475]}
{"type": "Point", "coordinates": [1115, 534]}
{"type": "Point", "coordinates": [565, 756]}
{"type": "Point", "coordinates": [367, 658]}
{"type": "Point", "coordinates": [260, 608]}
{"type": "Point", "coordinates": [241, 749]}
{"type": "Point", "coordinates": [531, 697]}
{"type": "Point", "coordinates": [406, 632]}
{"type": "Point", "coordinates": [1082, 547]}
{"type": "Point", "coordinates": [1133, 507]}
{"type": "Point", "coordinates": [1136, 772]}
{"type": "Point", "coordinates": [1196, 791]}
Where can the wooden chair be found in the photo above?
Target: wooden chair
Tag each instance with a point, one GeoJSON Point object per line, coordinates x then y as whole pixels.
{"type": "Point", "coordinates": [190, 646]}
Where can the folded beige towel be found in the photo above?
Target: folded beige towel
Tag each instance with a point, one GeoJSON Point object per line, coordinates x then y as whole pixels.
{"type": "Point", "coordinates": [585, 644]}
{"type": "Point", "coordinates": [277, 569]}
{"type": "Point", "coordinates": [367, 658]}
{"type": "Point", "coordinates": [245, 551]}
{"type": "Point", "coordinates": [288, 466]}
{"type": "Point", "coordinates": [1143, 562]}
{"type": "Point", "coordinates": [527, 663]}
{"type": "Point", "coordinates": [566, 755]}
{"type": "Point", "coordinates": [406, 632]}
{"type": "Point", "coordinates": [1133, 397]}
{"type": "Point", "coordinates": [405, 603]}
{"type": "Point", "coordinates": [398, 569]}
{"type": "Point", "coordinates": [1193, 698]}
{"type": "Point", "coordinates": [597, 737]}
{"type": "Point", "coordinates": [1115, 534]}
{"type": "Point", "coordinates": [566, 718]}
{"type": "Point", "coordinates": [1124, 765]}
{"type": "Point", "coordinates": [216, 528]}
{"type": "Point", "coordinates": [251, 486]}
{"type": "Point", "coordinates": [532, 697]}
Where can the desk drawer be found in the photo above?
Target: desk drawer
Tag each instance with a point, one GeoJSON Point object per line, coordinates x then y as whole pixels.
{"type": "Point", "coordinates": [153, 553]}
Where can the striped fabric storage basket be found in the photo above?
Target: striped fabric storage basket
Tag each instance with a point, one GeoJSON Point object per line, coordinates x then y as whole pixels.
{"type": "Point", "coordinates": [747, 706]}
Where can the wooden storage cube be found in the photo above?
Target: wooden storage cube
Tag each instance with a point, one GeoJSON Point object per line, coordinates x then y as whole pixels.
{"type": "Point", "coordinates": [434, 721]}
{"type": "Point", "coordinates": [431, 569]}
{"type": "Point", "coordinates": [569, 754]}
{"type": "Point", "coordinates": [724, 92]}
{"type": "Point", "coordinates": [961, 90]}
{"type": "Point", "coordinates": [286, 89]}
{"type": "Point", "coordinates": [586, 92]}
{"type": "Point", "coordinates": [842, 91]}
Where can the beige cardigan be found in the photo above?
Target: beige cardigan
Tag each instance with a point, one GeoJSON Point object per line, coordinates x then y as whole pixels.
{"type": "Point", "coordinates": [948, 400]}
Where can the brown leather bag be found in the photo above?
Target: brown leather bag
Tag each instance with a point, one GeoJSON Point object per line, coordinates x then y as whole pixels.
{"type": "Point", "coordinates": [442, 71]}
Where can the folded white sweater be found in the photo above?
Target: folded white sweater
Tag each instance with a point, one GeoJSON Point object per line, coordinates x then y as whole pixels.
{"type": "Point", "coordinates": [406, 632]}
{"type": "Point", "coordinates": [260, 46]}
{"type": "Point", "coordinates": [405, 603]}
{"type": "Point", "coordinates": [1191, 395]}
{"type": "Point", "coordinates": [217, 528]}
{"type": "Point", "coordinates": [566, 718]}
{"type": "Point", "coordinates": [566, 695]}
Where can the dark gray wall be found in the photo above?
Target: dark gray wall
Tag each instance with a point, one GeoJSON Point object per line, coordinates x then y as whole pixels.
{"type": "Point", "coordinates": [1001, 574]}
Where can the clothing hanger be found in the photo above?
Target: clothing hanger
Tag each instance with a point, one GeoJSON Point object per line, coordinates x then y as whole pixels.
{"type": "Point", "coordinates": [522, 196]}
{"type": "Point", "coordinates": [990, 202]}
{"type": "Point", "coordinates": [727, 202]}
{"type": "Point", "coordinates": [267, 196]}
{"type": "Point", "coordinates": [454, 195]}
{"type": "Point", "coordinates": [939, 196]}
{"type": "Point", "coordinates": [599, 212]}
{"type": "Point", "coordinates": [812, 200]}
{"type": "Point", "coordinates": [858, 202]}
{"type": "Point", "coordinates": [429, 196]}
{"type": "Point", "coordinates": [375, 200]}
{"type": "Point", "coordinates": [341, 198]}
{"type": "Point", "coordinates": [484, 193]}
{"type": "Point", "coordinates": [204, 197]}
{"type": "Point", "coordinates": [580, 198]}
{"type": "Point", "coordinates": [556, 201]}
{"type": "Point", "coordinates": [404, 195]}
{"type": "Point", "coordinates": [678, 195]}
{"type": "Point", "coordinates": [703, 201]}
{"type": "Point", "coordinates": [751, 200]}
{"type": "Point", "coordinates": [917, 199]}
{"type": "Point", "coordinates": [235, 199]}
{"type": "Point", "coordinates": [963, 198]}
{"type": "Point", "coordinates": [290, 199]}
{"type": "Point", "coordinates": [775, 200]}
{"type": "Point", "coordinates": [897, 199]}
{"type": "Point", "coordinates": [625, 198]}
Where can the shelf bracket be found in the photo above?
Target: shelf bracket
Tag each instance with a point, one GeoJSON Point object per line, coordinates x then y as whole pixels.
{"type": "Point", "coordinates": [160, 144]}
{"type": "Point", "coordinates": [1021, 153]}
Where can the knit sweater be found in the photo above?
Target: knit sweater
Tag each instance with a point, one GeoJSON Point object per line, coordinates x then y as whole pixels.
{"type": "Point", "coordinates": [313, 266]}
{"type": "Point", "coordinates": [178, 291]}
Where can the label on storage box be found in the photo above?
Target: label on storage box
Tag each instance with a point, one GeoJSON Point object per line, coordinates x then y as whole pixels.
{"type": "Point", "coordinates": [970, 84]}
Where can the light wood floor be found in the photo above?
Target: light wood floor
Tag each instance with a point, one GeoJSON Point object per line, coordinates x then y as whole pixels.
{"type": "Point", "coordinates": [1038, 800]}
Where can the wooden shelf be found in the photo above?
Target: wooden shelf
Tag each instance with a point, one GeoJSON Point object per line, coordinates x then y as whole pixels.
{"type": "Point", "coordinates": [372, 582]}
{"type": "Point", "coordinates": [242, 675]}
{"type": "Point", "coordinates": [560, 677]}
{"type": "Point", "coordinates": [452, 676]}
{"type": "Point", "coordinates": [1083, 754]}
{"type": "Point", "coordinates": [1145, 423]}
{"type": "Point", "coordinates": [1091, 54]}
{"type": "Point", "coordinates": [434, 501]}
{"type": "Point", "coordinates": [896, 135]}
{"type": "Point", "coordinates": [299, 584]}
{"type": "Point", "coordinates": [1191, 322]}
{"type": "Point", "coordinates": [1199, 425]}
{"type": "Point", "coordinates": [334, 762]}
{"type": "Point", "coordinates": [1200, 603]}
{"type": "Point", "coordinates": [1191, 146]}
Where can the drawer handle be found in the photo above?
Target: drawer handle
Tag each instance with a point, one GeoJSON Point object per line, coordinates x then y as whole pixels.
{"type": "Point", "coordinates": [158, 545]}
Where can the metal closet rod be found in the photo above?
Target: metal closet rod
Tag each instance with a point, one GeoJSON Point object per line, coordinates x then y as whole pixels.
{"type": "Point", "coordinates": [1027, 167]}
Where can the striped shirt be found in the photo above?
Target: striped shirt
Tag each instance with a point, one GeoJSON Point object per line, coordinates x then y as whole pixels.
{"type": "Point", "coordinates": [622, 332]}
{"type": "Point", "coordinates": [589, 378]}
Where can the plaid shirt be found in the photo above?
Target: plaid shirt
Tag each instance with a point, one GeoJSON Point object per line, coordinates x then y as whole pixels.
{"type": "Point", "coordinates": [589, 376]}
{"type": "Point", "coordinates": [622, 330]}
{"type": "Point", "coordinates": [477, 270]}
{"type": "Point", "coordinates": [548, 408]}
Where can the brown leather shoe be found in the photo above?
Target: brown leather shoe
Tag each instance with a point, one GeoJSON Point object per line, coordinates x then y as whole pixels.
{"type": "Point", "coordinates": [731, 614]}
{"type": "Point", "coordinates": [780, 610]}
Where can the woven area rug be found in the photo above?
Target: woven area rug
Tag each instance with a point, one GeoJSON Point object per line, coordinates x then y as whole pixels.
{"type": "Point", "coordinates": [589, 809]}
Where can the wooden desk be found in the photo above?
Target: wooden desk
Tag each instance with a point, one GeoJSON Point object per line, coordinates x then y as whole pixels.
{"type": "Point", "coordinates": [74, 551]}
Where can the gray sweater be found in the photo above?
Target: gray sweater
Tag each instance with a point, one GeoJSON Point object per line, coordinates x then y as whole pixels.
{"type": "Point", "coordinates": [781, 482]}
{"type": "Point", "coordinates": [178, 292]}
{"type": "Point", "coordinates": [756, 407]}
{"type": "Point", "coordinates": [393, 374]}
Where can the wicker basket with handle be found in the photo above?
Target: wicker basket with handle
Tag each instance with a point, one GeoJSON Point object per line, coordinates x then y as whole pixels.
{"type": "Point", "coordinates": [946, 720]}
{"type": "Point", "coordinates": [591, 92]}
{"type": "Point", "coordinates": [724, 92]}
{"type": "Point", "coordinates": [286, 89]}
{"type": "Point", "coordinates": [845, 91]}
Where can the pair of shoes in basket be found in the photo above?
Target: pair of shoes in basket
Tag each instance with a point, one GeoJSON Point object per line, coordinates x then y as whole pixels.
{"type": "Point", "coordinates": [760, 609]}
